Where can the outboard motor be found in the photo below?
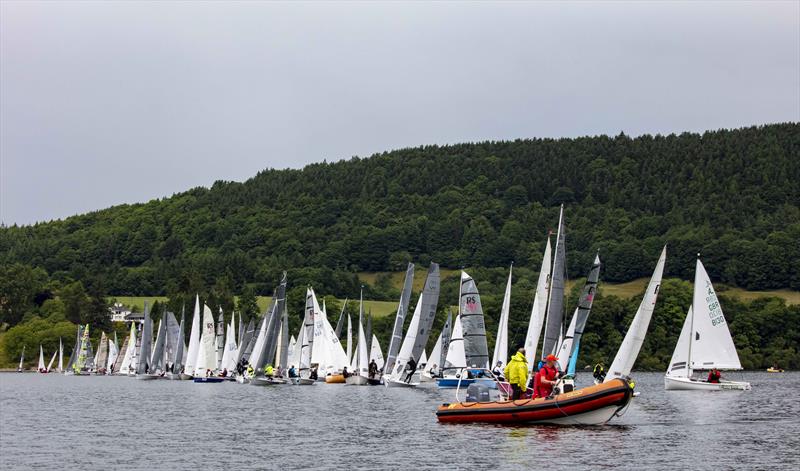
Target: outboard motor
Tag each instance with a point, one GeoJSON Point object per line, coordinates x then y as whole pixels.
{"type": "Point", "coordinates": [477, 393]}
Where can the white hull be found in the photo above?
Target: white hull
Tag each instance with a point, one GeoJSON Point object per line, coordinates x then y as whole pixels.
{"type": "Point", "coordinates": [356, 380]}
{"type": "Point", "coordinates": [241, 379]}
{"type": "Point", "coordinates": [302, 381]}
{"type": "Point", "coordinates": [595, 417]}
{"type": "Point", "coordinates": [672, 383]}
{"type": "Point", "coordinates": [175, 376]}
{"type": "Point", "coordinates": [396, 383]}
{"type": "Point", "coordinates": [148, 377]}
{"type": "Point", "coordinates": [262, 381]}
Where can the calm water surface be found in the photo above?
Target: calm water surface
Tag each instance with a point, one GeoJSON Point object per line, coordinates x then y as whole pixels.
{"type": "Point", "coordinates": [110, 423]}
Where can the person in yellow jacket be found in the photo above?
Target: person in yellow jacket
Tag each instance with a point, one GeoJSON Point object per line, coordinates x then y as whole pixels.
{"type": "Point", "coordinates": [250, 371]}
{"type": "Point", "coordinates": [268, 371]}
{"type": "Point", "coordinates": [516, 373]}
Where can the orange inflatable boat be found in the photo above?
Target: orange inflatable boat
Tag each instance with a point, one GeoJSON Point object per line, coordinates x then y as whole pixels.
{"type": "Point", "coordinates": [593, 405]}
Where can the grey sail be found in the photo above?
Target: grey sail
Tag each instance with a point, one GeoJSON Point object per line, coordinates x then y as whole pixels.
{"type": "Point", "coordinates": [246, 342]}
{"type": "Point", "coordinates": [177, 359]}
{"type": "Point", "coordinates": [143, 364]}
{"type": "Point", "coordinates": [157, 361]}
{"type": "Point", "coordinates": [402, 309]}
{"type": "Point", "coordinates": [173, 336]}
{"type": "Point", "coordinates": [241, 331]}
{"type": "Point", "coordinates": [102, 352]}
{"type": "Point", "coordinates": [585, 304]}
{"type": "Point", "coordinates": [307, 336]}
{"type": "Point", "coordinates": [74, 356]}
{"type": "Point", "coordinates": [555, 304]}
{"type": "Point", "coordinates": [271, 343]}
{"type": "Point", "coordinates": [368, 332]}
{"type": "Point", "coordinates": [340, 322]}
{"type": "Point", "coordinates": [258, 356]}
{"type": "Point", "coordinates": [284, 347]}
{"type": "Point", "coordinates": [472, 321]}
{"type": "Point", "coordinates": [430, 301]}
{"type": "Point", "coordinates": [121, 356]}
{"type": "Point", "coordinates": [219, 339]}
{"type": "Point", "coordinates": [446, 331]}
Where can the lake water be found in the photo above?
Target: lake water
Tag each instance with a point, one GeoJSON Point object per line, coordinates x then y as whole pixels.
{"type": "Point", "coordinates": [112, 423]}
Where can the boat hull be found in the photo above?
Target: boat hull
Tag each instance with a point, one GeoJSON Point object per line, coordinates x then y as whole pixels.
{"type": "Point", "coordinates": [263, 381]}
{"type": "Point", "coordinates": [672, 383]}
{"type": "Point", "coordinates": [357, 380]}
{"type": "Point", "coordinates": [593, 405]}
{"type": "Point", "coordinates": [335, 379]}
{"type": "Point", "coordinates": [147, 377]}
{"type": "Point", "coordinates": [302, 381]}
{"type": "Point", "coordinates": [210, 379]}
{"type": "Point", "coordinates": [396, 383]}
{"type": "Point", "coordinates": [452, 383]}
{"type": "Point", "coordinates": [774, 370]}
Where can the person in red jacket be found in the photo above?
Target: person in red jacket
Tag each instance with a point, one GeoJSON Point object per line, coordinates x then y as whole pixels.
{"type": "Point", "coordinates": [714, 376]}
{"type": "Point", "coordinates": [547, 377]}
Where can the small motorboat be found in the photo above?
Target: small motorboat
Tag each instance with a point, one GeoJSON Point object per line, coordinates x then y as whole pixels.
{"type": "Point", "coordinates": [592, 405]}
{"type": "Point", "coordinates": [774, 370]}
{"type": "Point", "coordinates": [208, 379]}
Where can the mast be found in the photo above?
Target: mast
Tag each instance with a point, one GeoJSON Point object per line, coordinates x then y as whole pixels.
{"type": "Point", "coordinates": [691, 328]}
{"type": "Point", "coordinates": [402, 309]}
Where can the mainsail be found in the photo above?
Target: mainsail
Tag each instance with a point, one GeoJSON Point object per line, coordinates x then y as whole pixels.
{"type": "Point", "coordinates": [157, 363]}
{"type": "Point", "coordinates": [629, 349]}
{"type": "Point", "coordinates": [402, 308]}
{"type": "Point", "coordinates": [306, 340]}
{"type": "Point", "coordinates": [177, 359]}
{"type": "Point", "coordinates": [206, 355]}
{"type": "Point", "coordinates": [539, 307]}
{"type": "Point", "coordinates": [501, 342]}
{"type": "Point", "coordinates": [711, 344]}
{"type": "Point", "coordinates": [456, 356]}
{"type": "Point", "coordinates": [194, 340]}
{"type": "Point", "coordinates": [568, 347]}
{"type": "Point", "coordinates": [375, 353]}
{"type": "Point", "coordinates": [472, 322]}
{"type": "Point", "coordinates": [143, 363]}
{"type": "Point", "coordinates": [555, 305]}
{"type": "Point", "coordinates": [446, 331]}
{"type": "Point", "coordinates": [102, 353]}
{"type": "Point", "coordinates": [40, 368]}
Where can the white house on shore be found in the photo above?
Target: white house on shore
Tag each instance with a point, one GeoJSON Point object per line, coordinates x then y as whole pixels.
{"type": "Point", "coordinates": [119, 313]}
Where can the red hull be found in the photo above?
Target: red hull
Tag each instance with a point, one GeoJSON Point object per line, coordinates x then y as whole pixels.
{"type": "Point", "coordinates": [614, 394]}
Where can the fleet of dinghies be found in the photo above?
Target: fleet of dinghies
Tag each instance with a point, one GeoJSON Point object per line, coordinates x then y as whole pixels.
{"type": "Point", "coordinates": [264, 353]}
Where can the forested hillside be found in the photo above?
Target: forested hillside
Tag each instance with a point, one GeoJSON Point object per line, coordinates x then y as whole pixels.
{"type": "Point", "coordinates": [732, 195]}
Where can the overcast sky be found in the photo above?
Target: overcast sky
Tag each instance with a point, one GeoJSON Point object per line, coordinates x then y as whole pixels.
{"type": "Point", "coordinates": [107, 102]}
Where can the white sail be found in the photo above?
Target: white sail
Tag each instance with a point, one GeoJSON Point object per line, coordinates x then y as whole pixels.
{"type": "Point", "coordinates": [22, 357]}
{"type": "Point", "coordinates": [423, 359]}
{"type": "Point", "coordinates": [679, 364]}
{"type": "Point", "coordinates": [206, 355]}
{"type": "Point", "coordinates": [294, 352]}
{"type": "Point", "coordinates": [261, 339]}
{"type": "Point", "coordinates": [127, 360]}
{"type": "Point", "coordinates": [712, 345]}
{"type": "Point", "coordinates": [363, 355]}
{"type": "Point", "coordinates": [539, 307]}
{"type": "Point", "coordinates": [456, 356]}
{"type": "Point", "coordinates": [565, 343]}
{"type": "Point", "coordinates": [634, 338]}
{"type": "Point", "coordinates": [194, 340]}
{"type": "Point", "coordinates": [408, 342]}
{"type": "Point", "coordinates": [40, 367]}
{"type": "Point", "coordinates": [375, 353]}
{"type": "Point", "coordinates": [113, 352]}
{"type": "Point", "coordinates": [60, 355]}
{"type": "Point", "coordinates": [52, 360]}
{"type": "Point", "coordinates": [501, 342]}
{"type": "Point", "coordinates": [229, 355]}
{"type": "Point", "coordinates": [326, 351]}
{"type": "Point", "coordinates": [435, 354]}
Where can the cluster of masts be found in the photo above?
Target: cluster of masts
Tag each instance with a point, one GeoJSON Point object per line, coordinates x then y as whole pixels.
{"type": "Point", "coordinates": [267, 354]}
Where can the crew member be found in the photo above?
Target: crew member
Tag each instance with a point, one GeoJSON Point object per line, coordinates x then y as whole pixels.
{"type": "Point", "coordinates": [373, 368]}
{"type": "Point", "coordinates": [517, 373]}
{"type": "Point", "coordinates": [599, 372]}
{"type": "Point", "coordinates": [547, 377]}
{"type": "Point", "coordinates": [714, 376]}
{"type": "Point", "coordinates": [411, 367]}
{"type": "Point", "coordinates": [268, 371]}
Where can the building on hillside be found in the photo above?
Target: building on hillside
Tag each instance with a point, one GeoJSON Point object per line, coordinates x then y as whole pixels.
{"type": "Point", "coordinates": [119, 313]}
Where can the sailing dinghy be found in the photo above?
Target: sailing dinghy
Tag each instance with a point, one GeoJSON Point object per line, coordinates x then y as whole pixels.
{"type": "Point", "coordinates": [417, 336]}
{"type": "Point", "coordinates": [41, 368]}
{"type": "Point", "coordinates": [360, 377]}
{"type": "Point", "coordinates": [705, 343]}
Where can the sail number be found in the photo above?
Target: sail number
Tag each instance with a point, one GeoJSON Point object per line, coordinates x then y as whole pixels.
{"type": "Point", "coordinates": [714, 310]}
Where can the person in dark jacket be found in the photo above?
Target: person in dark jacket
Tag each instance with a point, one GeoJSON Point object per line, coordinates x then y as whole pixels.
{"type": "Point", "coordinates": [411, 367]}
